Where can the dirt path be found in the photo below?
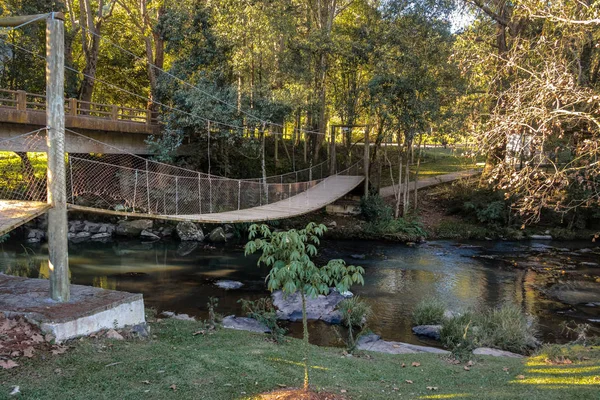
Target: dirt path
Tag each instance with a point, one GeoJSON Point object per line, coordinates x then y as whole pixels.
{"type": "Point", "coordinates": [427, 182]}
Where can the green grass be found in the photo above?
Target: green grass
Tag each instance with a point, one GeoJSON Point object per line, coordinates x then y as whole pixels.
{"type": "Point", "coordinates": [435, 161]}
{"type": "Point", "coordinates": [429, 312]}
{"type": "Point", "coordinates": [238, 365]}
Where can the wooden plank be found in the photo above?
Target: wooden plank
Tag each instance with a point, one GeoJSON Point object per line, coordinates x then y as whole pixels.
{"type": "Point", "coordinates": [14, 213]}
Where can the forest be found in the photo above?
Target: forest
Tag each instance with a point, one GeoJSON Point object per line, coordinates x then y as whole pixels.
{"type": "Point", "coordinates": [516, 80]}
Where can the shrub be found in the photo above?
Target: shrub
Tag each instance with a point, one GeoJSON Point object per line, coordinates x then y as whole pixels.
{"type": "Point", "coordinates": [263, 311]}
{"type": "Point", "coordinates": [355, 312]}
{"type": "Point", "coordinates": [429, 312]}
{"type": "Point", "coordinates": [506, 328]}
{"type": "Point", "coordinates": [458, 334]}
{"type": "Point", "coordinates": [374, 208]}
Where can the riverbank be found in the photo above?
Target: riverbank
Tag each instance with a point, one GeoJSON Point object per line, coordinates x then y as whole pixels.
{"type": "Point", "coordinates": [182, 360]}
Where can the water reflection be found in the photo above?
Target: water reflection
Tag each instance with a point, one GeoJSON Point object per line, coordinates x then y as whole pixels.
{"type": "Point", "coordinates": [180, 277]}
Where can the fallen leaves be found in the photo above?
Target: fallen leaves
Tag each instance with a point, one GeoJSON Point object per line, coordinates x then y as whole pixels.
{"type": "Point", "coordinates": [409, 381]}
{"type": "Point", "coordinates": [173, 387]}
{"type": "Point", "coordinates": [8, 364]}
{"type": "Point", "coordinates": [432, 388]}
{"type": "Point", "coordinates": [19, 339]}
{"type": "Point", "coordinates": [467, 368]}
{"type": "Point", "coordinates": [505, 369]}
{"type": "Point", "coordinates": [58, 349]}
{"type": "Point", "coordinates": [520, 377]}
{"type": "Point", "coordinates": [202, 332]}
{"type": "Point", "coordinates": [416, 364]}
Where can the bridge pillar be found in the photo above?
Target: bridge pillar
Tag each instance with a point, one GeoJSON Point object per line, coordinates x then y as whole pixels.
{"type": "Point", "coordinates": [57, 183]}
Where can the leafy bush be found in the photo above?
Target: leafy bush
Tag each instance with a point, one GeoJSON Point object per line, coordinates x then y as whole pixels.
{"type": "Point", "coordinates": [504, 328]}
{"type": "Point", "coordinates": [374, 208]}
{"type": "Point", "coordinates": [429, 312]}
{"type": "Point", "coordinates": [355, 312]}
{"type": "Point", "coordinates": [458, 335]}
{"type": "Point", "coordinates": [264, 311]}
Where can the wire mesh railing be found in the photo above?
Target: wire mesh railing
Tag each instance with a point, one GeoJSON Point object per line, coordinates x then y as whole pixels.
{"type": "Point", "coordinates": [120, 181]}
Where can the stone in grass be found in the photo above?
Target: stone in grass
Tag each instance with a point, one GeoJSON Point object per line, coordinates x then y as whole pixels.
{"type": "Point", "coordinates": [487, 351]}
{"type": "Point", "coordinates": [244, 324]}
{"type": "Point", "coordinates": [182, 317]}
{"type": "Point", "coordinates": [374, 343]}
{"type": "Point", "coordinates": [112, 334]}
{"type": "Point", "coordinates": [430, 331]}
{"type": "Point", "coordinates": [229, 285]}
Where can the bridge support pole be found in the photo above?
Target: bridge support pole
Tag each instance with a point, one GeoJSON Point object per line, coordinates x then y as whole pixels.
{"type": "Point", "coordinates": [332, 161]}
{"type": "Point", "coordinates": [55, 138]}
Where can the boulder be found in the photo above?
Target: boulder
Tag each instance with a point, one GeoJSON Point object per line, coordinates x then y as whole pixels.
{"type": "Point", "coordinates": [34, 235]}
{"type": "Point", "coordinates": [540, 237]}
{"type": "Point", "coordinates": [83, 235]}
{"type": "Point", "coordinates": [358, 256]}
{"type": "Point", "coordinates": [76, 226]}
{"type": "Point", "coordinates": [145, 234]}
{"type": "Point", "coordinates": [217, 235]}
{"type": "Point", "coordinates": [430, 331]}
{"type": "Point", "coordinates": [589, 264]}
{"type": "Point", "coordinates": [229, 285]}
{"type": "Point", "coordinates": [244, 324]}
{"type": "Point", "coordinates": [189, 232]}
{"type": "Point", "coordinates": [166, 231]}
{"type": "Point", "coordinates": [322, 307]}
{"type": "Point", "coordinates": [332, 225]}
{"type": "Point", "coordinates": [487, 351]}
{"type": "Point", "coordinates": [373, 342]}
{"type": "Point", "coordinates": [101, 236]}
{"type": "Point", "coordinates": [182, 317]}
{"type": "Point", "coordinates": [133, 228]}
{"type": "Point", "coordinates": [575, 292]}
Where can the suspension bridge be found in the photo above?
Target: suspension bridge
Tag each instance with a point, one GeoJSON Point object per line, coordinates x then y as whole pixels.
{"type": "Point", "coordinates": [115, 182]}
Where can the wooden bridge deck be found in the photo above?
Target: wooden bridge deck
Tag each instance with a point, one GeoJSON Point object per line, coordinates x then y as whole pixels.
{"type": "Point", "coordinates": [325, 192]}
{"type": "Point", "coordinates": [14, 213]}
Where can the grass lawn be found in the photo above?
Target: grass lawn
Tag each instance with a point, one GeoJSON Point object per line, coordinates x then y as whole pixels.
{"type": "Point", "coordinates": [435, 161]}
{"type": "Point", "coordinates": [239, 365]}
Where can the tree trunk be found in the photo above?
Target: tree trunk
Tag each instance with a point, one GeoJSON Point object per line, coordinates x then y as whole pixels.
{"type": "Point", "coordinates": [399, 190]}
{"type": "Point", "coordinates": [305, 339]}
{"type": "Point", "coordinates": [417, 171]}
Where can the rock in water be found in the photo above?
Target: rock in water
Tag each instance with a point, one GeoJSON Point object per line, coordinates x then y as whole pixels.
{"type": "Point", "coordinates": [244, 324]}
{"type": "Point", "coordinates": [188, 231]}
{"type": "Point", "coordinates": [149, 235]}
{"type": "Point", "coordinates": [182, 317]}
{"type": "Point", "coordinates": [373, 342]}
{"type": "Point", "coordinates": [217, 235]}
{"type": "Point", "coordinates": [133, 228]}
{"type": "Point", "coordinates": [228, 285]}
{"type": "Point", "coordinates": [430, 331]}
{"type": "Point", "coordinates": [487, 351]}
{"type": "Point", "coordinates": [322, 307]}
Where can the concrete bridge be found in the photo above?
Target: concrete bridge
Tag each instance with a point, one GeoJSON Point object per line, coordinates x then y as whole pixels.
{"type": "Point", "coordinates": [123, 127]}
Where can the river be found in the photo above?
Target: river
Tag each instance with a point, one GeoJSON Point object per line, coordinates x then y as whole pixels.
{"type": "Point", "coordinates": [546, 282]}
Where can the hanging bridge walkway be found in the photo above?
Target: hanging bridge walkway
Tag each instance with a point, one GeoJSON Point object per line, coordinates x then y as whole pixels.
{"type": "Point", "coordinates": [123, 127]}
{"type": "Point", "coordinates": [112, 181]}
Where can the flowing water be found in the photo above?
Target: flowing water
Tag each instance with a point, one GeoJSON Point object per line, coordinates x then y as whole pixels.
{"type": "Point", "coordinates": [180, 277]}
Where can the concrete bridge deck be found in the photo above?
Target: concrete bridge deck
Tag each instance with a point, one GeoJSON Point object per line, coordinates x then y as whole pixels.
{"type": "Point", "coordinates": [123, 127]}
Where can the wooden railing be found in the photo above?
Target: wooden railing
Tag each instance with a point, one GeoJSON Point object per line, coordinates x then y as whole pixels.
{"type": "Point", "coordinates": [24, 101]}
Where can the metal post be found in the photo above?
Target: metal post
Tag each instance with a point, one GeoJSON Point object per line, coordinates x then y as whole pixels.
{"type": "Point", "coordinates": [176, 195]}
{"type": "Point", "coordinates": [199, 195]}
{"type": "Point", "coordinates": [135, 189]}
{"type": "Point", "coordinates": [332, 166]}
{"type": "Point", "coordinates": [58, 246]}
{"type": "Point", "coordinates": [366, 161]}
